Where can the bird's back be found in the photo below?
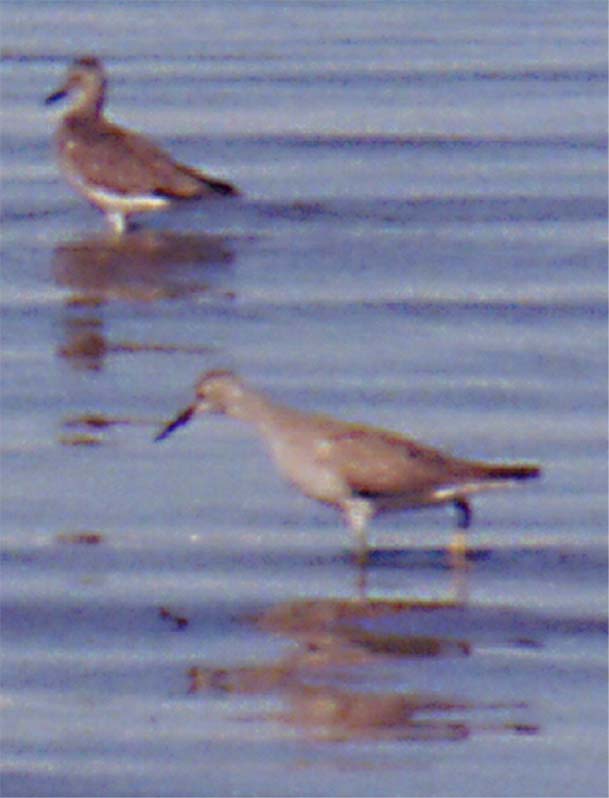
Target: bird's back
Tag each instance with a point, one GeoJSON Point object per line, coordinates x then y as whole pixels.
{"type": "Point", "coordinates": [110, 158]}
{"type": "Point", "coordinates": [374, 462]}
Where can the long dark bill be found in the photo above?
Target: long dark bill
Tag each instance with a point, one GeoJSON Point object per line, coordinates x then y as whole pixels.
{"type": "Point", "coordinates": [179, 421]}
{"type": "Point", "coordinates": [57, 95]}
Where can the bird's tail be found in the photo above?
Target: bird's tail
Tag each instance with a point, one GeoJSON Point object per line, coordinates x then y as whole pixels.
{"type": "Point", "coordinates": [210, 185]}
{"type": "Point", "coordinates": [513, 471]}
{"type": "Point", "coordinates": [220, 187]}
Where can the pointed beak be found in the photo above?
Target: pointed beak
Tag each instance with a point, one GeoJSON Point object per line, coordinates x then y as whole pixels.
{"type": "Point", "coordinates": [179, 421]}
{"type": "Point", "coordinates": [57, 95]}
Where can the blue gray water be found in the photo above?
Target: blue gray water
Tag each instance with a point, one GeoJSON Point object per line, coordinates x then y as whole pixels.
{"type": "Point", "coordinates": [421, 245]}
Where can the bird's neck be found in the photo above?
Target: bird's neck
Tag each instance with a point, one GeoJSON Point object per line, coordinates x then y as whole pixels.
{"type": "Point", "coordinates": [87, 105]}
{"type": "Point", "coordinates": [260, 412]}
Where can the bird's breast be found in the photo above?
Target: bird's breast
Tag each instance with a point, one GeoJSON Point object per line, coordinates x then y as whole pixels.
{"type": "Point", "coordinates": [301, 461]}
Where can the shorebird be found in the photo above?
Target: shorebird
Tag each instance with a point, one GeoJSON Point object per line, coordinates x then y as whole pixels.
{"type": "Point", "coordinates": [359, 469]}
{"type": "Point", "coordinates": [117, 170]}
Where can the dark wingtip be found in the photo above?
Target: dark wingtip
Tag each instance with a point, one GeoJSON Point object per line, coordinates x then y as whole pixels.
{"type": "Point", "coordinates": [228, 190]}
{"type": "Point", "coordinates": [179, 421]}
{"type": "Point", "coordinates": [222, 188]}
{"type": "Point", "coordinates": [516, 471]}
{"type": "Point", "coordinates": [527, 471]}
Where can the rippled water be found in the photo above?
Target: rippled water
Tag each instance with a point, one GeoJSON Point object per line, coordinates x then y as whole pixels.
{"type": "Point", "coordinates": [421, 245]}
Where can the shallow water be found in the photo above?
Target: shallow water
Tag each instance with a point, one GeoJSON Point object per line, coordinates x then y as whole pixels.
{"type": "Point", "coordinates": [421, 245]}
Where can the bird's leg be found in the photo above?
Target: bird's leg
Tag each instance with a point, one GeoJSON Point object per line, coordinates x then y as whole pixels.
{"type": "Point", "coordinates": [362, 581]}
{"type": "Point", "coordinates": [458, 544]}
{"type": "Point", "coordinates": [358, 513]}
{"type": "Point", "coordinates": [460, 584]}
{"type": "Point", "coordinates": [464, 513]}
{"type": "Point", "coordinates": [118, 222]}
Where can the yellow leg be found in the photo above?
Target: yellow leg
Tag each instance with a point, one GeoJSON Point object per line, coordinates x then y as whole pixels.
{"type": "Point", "coordinates": [358, 512]}
{"type": "Point", "coordinates": [362, 576]}
{"type": "Point", "coordinates": [458, 550]}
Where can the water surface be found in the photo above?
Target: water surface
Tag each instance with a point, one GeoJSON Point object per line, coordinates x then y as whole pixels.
{"type": "Point", "coordinates": [421, 245]}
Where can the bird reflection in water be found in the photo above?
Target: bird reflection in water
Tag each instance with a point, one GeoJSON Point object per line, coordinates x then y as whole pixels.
{"type": "Point", "coordinates": [142, 266]}
{"type": "Point", "coordinates": [457, 561]}
{"type": "Point", "coordinates": [340, 644]}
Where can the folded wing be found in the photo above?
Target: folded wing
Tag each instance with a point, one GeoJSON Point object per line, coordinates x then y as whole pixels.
{"type": "Point", "coordinates": [379, 463]}
{"type": "Point", "coordinates": [126, 163]}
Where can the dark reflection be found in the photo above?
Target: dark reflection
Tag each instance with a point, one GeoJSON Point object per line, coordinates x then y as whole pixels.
{"type": "Point", "coordinates": [83, 538]}
{"type": "Point", "coordinates": [335, 714]}
{"type": "Point", "coordinates": [89, 429]}
{"type": "Point", "coordinates": [143, 266]}
{"type": "Point", "coordinates": [339, 646]}
{"type": "Point", "coordinates": [86, 346]}
{"type": "Point", "coordinates": [179, 621]}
